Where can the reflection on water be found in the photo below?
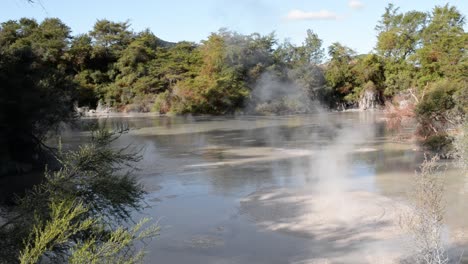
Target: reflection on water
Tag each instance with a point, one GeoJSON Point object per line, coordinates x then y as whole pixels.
{"type": "Point", "coordinates": [197, 170]}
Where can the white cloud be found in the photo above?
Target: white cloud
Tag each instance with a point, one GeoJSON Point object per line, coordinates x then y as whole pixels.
{"type": "Point", "coordinates": [303, 15]}
{"type": "Point", "coordinates": [355, 4]}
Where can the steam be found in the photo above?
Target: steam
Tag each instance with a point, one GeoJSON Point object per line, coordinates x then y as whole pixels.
{"type": "Point", "coordinates": [288, 86]}
{"type": "Point", "coordinates": [295, 94]}
{"type": "Point", "coordinates": [331, 208]}
{"type": "Point", "coordinates": [332, 166]}
{"type": "Point", "coordinates": [272, 95]}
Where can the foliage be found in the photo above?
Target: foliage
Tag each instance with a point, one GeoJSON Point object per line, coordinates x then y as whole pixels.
{"type": "Point", "coordinates": [120, 67]}
{"type": "Point", "coordinates": [438, 111]}
{"type": "Point", "coordinates": [399, 37]}
{"type": "Point", "coordinates": [339, 73]}
{"type": "Point", "coordinates": [444, 43]}
{"type": "Point", "coordinates": [65, 223]}
{"type": "Point", "coordinates": [116, 249]}
{"type": "Point", "coordinates": [438, 100]}
{"type": "Point", "coordinates": [93, 191]}
{"type": "Point", "coordinates": [440, 144]}
{"type": "Point", "coordinates": [399, 33]}
{"type": "Point", "coordinates": [217, 88]}
{"type": "Point", "coordinates": [56, 231]}
{"type": "Point", "coordinates": [37, 92]}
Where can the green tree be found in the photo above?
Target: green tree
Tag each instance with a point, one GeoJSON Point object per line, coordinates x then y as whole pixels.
{"type": "Point", "coordinates": [37, 91]}
{"type": "Point", "coordinates": [443, 54]}
{"type": "Point", "coordinates": [111, 37]}
{"type": "Point", "coordinates": [311, 49]}
{"type": "Point", "coordinates": [399, 34]}
{"type": "Point", "coordinates": [79, 60]}
{"type": "Point", "coordinates": [339, 73]}
{"type": "Point", "coordinates": [369, 75]}
{"type": "Point", "coordinates": [132, 69]}
{"type": "Point", "coordinates": [218, 88]}
{"type": "Point", "coordinates": [399, 37]}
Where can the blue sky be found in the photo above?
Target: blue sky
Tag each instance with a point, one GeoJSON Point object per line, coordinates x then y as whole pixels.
{"type": "Point", "coordinates": [350, 22]}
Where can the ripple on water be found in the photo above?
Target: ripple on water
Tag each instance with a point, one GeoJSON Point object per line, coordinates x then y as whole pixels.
{"type": "Point", "coordinates": [364, 223]}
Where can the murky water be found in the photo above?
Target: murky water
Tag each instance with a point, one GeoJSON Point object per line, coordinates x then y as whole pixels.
{"type": "Point", "coordinates": [202, 174]}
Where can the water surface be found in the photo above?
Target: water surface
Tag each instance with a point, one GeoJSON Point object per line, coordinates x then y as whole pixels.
{"type": "Point", "coordinates": [199, 171]}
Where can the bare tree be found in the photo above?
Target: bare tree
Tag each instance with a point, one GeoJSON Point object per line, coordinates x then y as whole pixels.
{"type": "Point", "coordinates": [425, 223]}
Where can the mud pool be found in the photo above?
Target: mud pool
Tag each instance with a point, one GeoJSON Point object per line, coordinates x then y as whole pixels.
{"type": "Point", "coordinates": [325, 188]}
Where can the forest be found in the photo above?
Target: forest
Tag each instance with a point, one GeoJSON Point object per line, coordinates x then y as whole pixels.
{"type": "Point", "coordinates": [136, 71]}
{"type": "Point", "coordinates": [48, 76]}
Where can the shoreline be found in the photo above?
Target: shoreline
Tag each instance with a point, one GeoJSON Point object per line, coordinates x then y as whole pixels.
{"type": "Point", "coordinates": [154, 114]}
{"type": "Point", "coordinates": [118, 114]}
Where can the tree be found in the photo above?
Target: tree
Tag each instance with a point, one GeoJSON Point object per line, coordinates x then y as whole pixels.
{"type": "Point", "coordinates": [312, 50]}
{"type": "Point", "coordinates": [37, 92]}
{"type": "Point", "coordinates": [132, 67]}
{"type": "Point", "coordinates": [113, 37]}
{"type": "Point", "coordinates": [399, 37]}
{"type": "Point", "coordinates": [248, 55]}
{"type": "Point", "coordinates": [218, 88]}
{"type": "Point", "coordinates": [176, 63]}
{"type": "Point", "coordinates": [109, 40]}
{"type": "Point", "coordinates": [80, 52]}
{"type": "Point", "coordinates": [441, 78]}
{"type": "Point", "coordinates": [79, 62]}
{"type": "Point", "coordinates": [443, 54]}
{"type": "Point", "coordinates": [437, 112]}
{"type": "Point", "coordinates": [339, 75]}
{"type": "Point", "coordinates": [369, 76]}
{"type": "Point", "coordinates": [399, 34]}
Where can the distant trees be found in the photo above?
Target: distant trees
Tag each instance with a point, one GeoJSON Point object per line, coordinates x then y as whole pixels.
{"type": "Point", "coordinates": [139, 72]}
{"type": "Point", "coordinates": [421, 47]}
{"type": "Point", "coordinates": [230, 66]}
{"type": "Point", "coordinates": [136, 71]}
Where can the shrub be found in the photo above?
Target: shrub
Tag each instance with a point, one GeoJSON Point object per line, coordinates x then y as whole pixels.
{"type": "Point", "coordinates": [77, 208]}
{"type": "Point", "coordinates": [162, 104]}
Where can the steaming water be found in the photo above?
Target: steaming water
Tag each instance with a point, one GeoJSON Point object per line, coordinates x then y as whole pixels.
{"type": "Point", "coordinates": [296, 189]}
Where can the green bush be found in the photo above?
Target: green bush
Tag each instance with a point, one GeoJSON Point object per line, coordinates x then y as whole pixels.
{"type": "Point", "coordinates": [162, 103]}
{"type": "Point", "coordinates": [440, 144]}
{"type": "Point", "coordinates": [438, 100]}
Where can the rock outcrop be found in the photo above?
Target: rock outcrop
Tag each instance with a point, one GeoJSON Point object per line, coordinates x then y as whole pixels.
{"type": "Point", "coordinates": [370, 99]}
{"type": "Point", "coordinates": [100, 110]}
